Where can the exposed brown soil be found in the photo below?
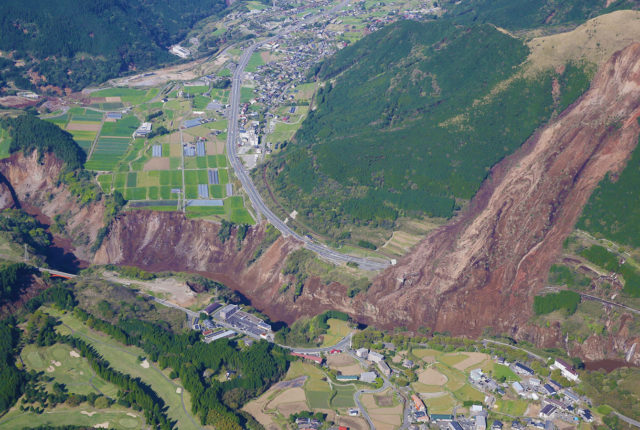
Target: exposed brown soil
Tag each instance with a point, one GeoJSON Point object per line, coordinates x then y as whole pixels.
{"type": "Point", "coordinates": [34, 182]}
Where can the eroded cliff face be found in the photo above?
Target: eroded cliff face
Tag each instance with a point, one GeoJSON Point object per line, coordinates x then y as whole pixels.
{"type": "Point", "coordinates": [160, 241]}
{"type": "Point", "coordinates": [483, 268]}
{"type": "Point", "coordinates": [33, 182]}
{"type": "Point", "coordinates": [480, 270]}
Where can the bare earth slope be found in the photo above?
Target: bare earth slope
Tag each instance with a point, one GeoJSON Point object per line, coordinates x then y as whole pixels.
{"type": "Point", "coordinates": [484, 267]}
{"type": "Point", "coordinates": [36, 187]}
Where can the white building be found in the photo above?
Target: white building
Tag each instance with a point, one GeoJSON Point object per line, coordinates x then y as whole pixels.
{"type": "Point", "coordinates": [567, 370]}
{"type": "Point", "coordinates": [375, 357]}
{"type": "Point", "coordinates": [180, 51]}
{"type": "Point", "coordinates": [143, 130]}
{"type": "Point", "coordinates": [362, 352]}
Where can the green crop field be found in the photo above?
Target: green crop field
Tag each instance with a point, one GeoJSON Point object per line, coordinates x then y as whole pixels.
{"type": "Point", "coordinates": [121, 128]}
{"type": "Point", "coordinates": [440, 405]}
{"type": "Point", "coordinates": [107, 153]}
{"type": "Point", "coordinates": [135, 193]}
{"type": "Point", "coordinates": [512, 407]}
{"type": "Point", "coordinates": [60, 121]}
{"type": "Point", "coordinates": [318, 399]}
{"type": "Point", "coordinates": [131, 179]}
{"type": "Point", "coordinates": [217, 191]}
{"type": "Point", "coordinates": [343, 397]}
{"type": "Point", "coordinates": [105, 182]}
{"type": "Point", "coordinates": [246, 94]}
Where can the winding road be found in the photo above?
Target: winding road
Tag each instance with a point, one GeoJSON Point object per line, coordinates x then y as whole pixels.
{"type": "Point", "coordinates": [258, 203]}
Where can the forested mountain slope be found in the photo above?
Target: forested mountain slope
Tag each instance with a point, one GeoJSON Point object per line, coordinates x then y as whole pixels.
{"type": "Point", "coordinates": [74, 43]}
{"type": "Point", "coordinates": [531, 14]}
{"type": "Point", "coordinates": [410, 121]}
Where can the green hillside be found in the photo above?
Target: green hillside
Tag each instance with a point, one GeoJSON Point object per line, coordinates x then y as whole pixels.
{"type": "Point", "coordinates": [613, 211]}
{"type": "Point", "coordinates": [411, 123]}
{"type": "Point", "coordinates": [529, 14]}
{"type": "Point", "coordinates": [75, 43]}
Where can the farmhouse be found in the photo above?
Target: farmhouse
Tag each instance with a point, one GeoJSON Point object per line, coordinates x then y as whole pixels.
{"type": "Point", "coordinates": [518, 388]}
{"type": "Point", "coordinates": [418, 403]}
{"type": "Point", "coordinates": [180, 51]}
{"type": "Point", "coordinates": [315, 358]}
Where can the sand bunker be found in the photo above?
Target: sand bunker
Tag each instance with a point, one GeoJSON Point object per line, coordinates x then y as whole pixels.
{"type": "Point", "coordinates": [132, 415]}
{"type": "Point", "coordinates": [56, 363]}
{"type": "Point", "coordinates": [104, 425]}
{"type": "Point", "coordinates": [432, 377]}
{"type": "Point", "coordinates": [179, 390]}
{"type": "Point", "coordinates": [74, 354]}
{"type": "Point", "coordinates": [88, 413]}
{"type": "Point", "coordinates": [50, 369]}
{"type": "Point", "coordinates": [145, 364]}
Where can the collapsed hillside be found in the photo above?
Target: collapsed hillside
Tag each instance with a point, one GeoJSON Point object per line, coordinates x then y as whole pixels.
{"type": "Point", "coordinates": [32, 183]}
{"type": "Point", "coordinates": [483, 268]}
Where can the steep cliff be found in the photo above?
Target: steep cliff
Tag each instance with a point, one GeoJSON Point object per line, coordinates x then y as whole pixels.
{"type": "Point", "coordinates": [34, 182]}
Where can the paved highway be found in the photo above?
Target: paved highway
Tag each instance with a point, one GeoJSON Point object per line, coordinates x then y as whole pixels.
{"type": "Point", "coordinates": [259, 205]}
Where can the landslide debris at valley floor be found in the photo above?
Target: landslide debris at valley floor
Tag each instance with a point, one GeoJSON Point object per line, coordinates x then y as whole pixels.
{"type": "Point", "coordinates": [480, 270]}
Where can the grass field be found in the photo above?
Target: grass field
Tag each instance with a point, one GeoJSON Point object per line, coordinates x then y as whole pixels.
{"type": "Point", "coordinates": [512, 407]}
{"type": "Point", "coordinates": [337, 330]}
{"type": "Point", "coordinates": [74, 372]}
{"type": "Point", "coordinates": [5, 143]}
{"type": "Point", "coordinates": [116, 417]}
{"type": "Point", "coordinates": [125, 359]}
{"type": "Point", "coordinates": [254, 62]}
{"type": "Point", "coordinates": [440, 405]}
{"type": "Point", "coordinates": [128, 95]}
